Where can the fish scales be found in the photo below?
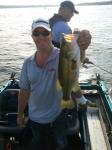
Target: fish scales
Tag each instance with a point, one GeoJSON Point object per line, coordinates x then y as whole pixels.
{"type": "Point", "coordinates": [69, 61]}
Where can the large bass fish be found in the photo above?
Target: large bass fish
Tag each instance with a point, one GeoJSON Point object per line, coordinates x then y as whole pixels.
{"type": "Point", "coordinates": [69, 62]}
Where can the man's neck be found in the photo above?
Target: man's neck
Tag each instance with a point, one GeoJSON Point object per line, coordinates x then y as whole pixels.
{"type": "Point", "coordinates": [42, 56]}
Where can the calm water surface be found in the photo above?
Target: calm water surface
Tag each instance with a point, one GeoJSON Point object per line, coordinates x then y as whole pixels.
{"type": "Point", "coordinates": [16, 43]}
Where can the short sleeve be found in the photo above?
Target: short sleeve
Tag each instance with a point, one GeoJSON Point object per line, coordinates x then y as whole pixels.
{"type": "Point", "coordinates": [24, 81]}
{"type": "Point", "coordinates": [58, 29]}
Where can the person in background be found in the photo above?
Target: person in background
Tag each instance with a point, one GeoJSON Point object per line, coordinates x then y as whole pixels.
{"type": "Point", "coordinates": [59, 25]}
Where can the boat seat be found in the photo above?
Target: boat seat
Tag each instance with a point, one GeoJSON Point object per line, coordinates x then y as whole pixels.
{"type": "Point", "coordinates": [8, 112]}
{"type": "Point", "coordinates": [7, 129]}
{"type": "Point", "coordinates": [9, 101]}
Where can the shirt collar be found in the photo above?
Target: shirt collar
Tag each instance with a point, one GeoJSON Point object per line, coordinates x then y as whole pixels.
{"type": "Point", "coordinates": [52, 56]}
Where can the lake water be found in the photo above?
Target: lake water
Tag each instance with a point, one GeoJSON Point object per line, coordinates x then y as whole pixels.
{"type": "Point", "coordinates": [16, 43]}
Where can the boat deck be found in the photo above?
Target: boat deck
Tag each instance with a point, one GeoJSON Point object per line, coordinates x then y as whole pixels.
{"type": "Point", "coordinates": [97, 131]}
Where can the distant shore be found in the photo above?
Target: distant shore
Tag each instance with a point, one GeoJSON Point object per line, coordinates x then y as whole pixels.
{"type": "Point", "coordinates": [80, 4]}
{"type": "Point", "coordinates": [26, 6]}
{"type": "Point", "coordinates": [96, 3]}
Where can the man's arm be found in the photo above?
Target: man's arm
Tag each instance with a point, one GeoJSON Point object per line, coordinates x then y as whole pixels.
{"type": "Point", "coordinates": [22, 102]}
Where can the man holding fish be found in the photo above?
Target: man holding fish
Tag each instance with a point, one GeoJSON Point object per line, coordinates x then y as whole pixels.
{"type": "Point", "coordinates": [41, 87]}
{"type": "Point", "coordinates": [59, 25]}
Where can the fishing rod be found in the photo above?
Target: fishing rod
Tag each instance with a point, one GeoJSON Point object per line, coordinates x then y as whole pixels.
{"type": "Point", "coordinates": [90, 62]}
{"type": "Point", "coordinates": [102, 68]}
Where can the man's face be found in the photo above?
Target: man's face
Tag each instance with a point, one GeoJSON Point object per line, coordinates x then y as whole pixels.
{"type": "Point", "coordinates": [42, 38]}
{"type": "Point", "coordinates": [68, 14]}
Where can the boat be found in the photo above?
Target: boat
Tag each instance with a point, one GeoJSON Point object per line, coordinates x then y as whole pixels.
{"type": "Point", "coordinates": [94, 128]}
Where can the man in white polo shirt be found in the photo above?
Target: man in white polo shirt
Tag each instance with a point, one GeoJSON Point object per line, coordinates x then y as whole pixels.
{"type": "Point", "coordinates": [39, 88]}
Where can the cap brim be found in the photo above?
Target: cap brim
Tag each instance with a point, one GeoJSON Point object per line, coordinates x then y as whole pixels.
{"type": "Point", "coordinates": [42, 26]}
{"type": "Point", "coordinates": [76, 12]}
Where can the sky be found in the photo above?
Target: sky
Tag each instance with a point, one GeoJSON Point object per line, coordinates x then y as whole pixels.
{"type": "Point", "coordinates": [40, 2]}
